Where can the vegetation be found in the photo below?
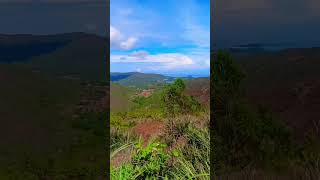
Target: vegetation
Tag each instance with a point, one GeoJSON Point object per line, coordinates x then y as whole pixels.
{"type": "Point", "coordinates": [180, 151]}
{"type": "Point", "coordinates": [247, 137]}
{"type": "Point", "coordinates": [139, 80]}
{"type": "Point", "coordinates": [52, 110]}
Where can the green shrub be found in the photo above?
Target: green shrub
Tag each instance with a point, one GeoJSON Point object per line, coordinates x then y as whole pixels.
{"type": "Point", "coordinates": [152, 159]}
{"type": "Point", "coordinates": [147, 163]}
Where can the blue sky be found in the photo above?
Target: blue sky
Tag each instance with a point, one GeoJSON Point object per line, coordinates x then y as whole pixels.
{"type": "Point", "coordinates": [167, 37]}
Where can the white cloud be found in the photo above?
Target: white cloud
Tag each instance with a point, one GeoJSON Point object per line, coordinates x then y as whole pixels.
{"type": "Point", "coordinates": [129, 43]}
{"type": "Point", "coordinates": [119, 41]}
{"type": "Point", "coordinates": [167, 61]}
{"type": "Point", "coordinates": [139, 54]}
{"type": "Point", "coordinates": [115, 35]}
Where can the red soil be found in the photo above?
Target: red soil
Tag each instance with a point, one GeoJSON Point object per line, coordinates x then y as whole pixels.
{"type": "Point", "coordinates": [146, 93]}
{"type": "Point", "coordinates": [148, 129]}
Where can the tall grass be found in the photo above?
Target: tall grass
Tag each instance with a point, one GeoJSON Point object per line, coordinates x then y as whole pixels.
{"type": "Point", "coordinates": [161, 159]}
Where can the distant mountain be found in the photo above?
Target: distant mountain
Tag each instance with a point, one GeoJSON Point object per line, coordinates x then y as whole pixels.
{"type": "Point", "coordinates": [139, 80]}
{"type": "Point", "coordinates": [79, 55]}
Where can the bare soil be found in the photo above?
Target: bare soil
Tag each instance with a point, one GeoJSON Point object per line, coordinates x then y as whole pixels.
{"type": "Point", "coordinates": [147, 130]}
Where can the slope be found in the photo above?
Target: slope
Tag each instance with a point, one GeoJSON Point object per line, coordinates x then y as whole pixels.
{"type": "Point", "coordinates": [120, 97]}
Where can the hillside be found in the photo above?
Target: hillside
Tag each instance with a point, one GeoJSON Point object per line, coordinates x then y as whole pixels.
{"type": "Point", "coordinates": [160, 121]}
{"type": "Point", "coordinates": [200, 89]}
{"type": "Point", "coordinates": [288, 82]}
{"type": "Point", "coordinates": [120, 97]}
{"type": "Point", "coordinates": [32, 104]}
{"type": "Point", "coordinates": [53, 106]}
{"type": "Point", "coordinates": [127, 85]}
{"type": "Point", "coordinates": [139, 80]}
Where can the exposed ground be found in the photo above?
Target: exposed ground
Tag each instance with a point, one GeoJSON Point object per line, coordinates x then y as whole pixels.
{"type": "Point", "coordinates": [148, 129]}
{"type": "Point", "coordinates": [146, 93]}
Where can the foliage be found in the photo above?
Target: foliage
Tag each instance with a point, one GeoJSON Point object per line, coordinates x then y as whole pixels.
{"type": "Point", "coordinates": [175, 102]}
{"type": "Point", "coordinates": [244, 136]}
{"type": "Point", "coordinates": [160, 159]}
{"type": "Point", "coordinates": [194, 158]}
{"type": "Point", "coordinates": [147, 163]}
{"type": "Point", "coordinates": [154, 161]}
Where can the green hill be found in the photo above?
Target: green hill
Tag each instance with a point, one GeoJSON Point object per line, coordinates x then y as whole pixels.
{"type": "Point", "coordinates": [139, 80]}
{"type": "Point", "coordinates": [120, 97]}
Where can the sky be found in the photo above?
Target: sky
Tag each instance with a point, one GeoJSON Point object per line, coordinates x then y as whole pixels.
{"type": "Point", "coordinates": [168, 37]}
{"type": "Point", "coordinates": [54, 16]}
{"type": "Point", "coordinates": [289, 22]}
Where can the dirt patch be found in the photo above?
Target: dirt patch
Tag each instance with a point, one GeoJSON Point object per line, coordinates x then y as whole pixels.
{"type": "Point", "coordinates": [146, 93]}
{"type": "Point", "coordinates": [147, 130]}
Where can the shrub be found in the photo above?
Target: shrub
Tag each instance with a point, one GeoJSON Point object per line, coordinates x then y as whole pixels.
{"type": "Point", "coordinates": [147, 163]}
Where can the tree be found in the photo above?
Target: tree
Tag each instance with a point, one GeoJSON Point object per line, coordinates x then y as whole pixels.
{"type": "Point", "coordinates": [176, 102]}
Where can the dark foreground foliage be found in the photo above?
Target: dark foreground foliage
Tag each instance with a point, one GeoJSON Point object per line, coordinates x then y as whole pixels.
{"type": "Point", "coordinates": [248, 137]}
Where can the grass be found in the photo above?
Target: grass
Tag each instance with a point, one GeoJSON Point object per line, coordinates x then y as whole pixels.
{"type": "Point", "coordinates": [159, 160]}
{"type": "Point", "coordinates": [181, 151]}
